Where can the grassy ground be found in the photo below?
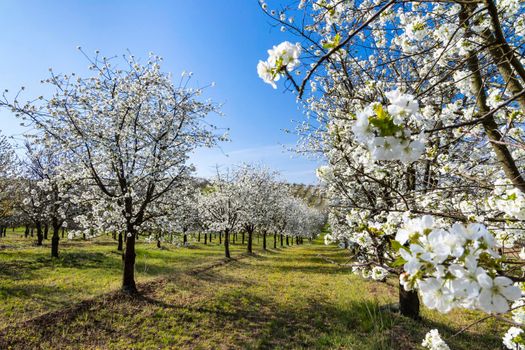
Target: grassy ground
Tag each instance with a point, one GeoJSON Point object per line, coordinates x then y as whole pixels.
{"type": "Point", "coordinates": [284, 299]}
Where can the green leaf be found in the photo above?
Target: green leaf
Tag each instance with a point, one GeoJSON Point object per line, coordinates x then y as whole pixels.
{"type": "Point", "coordinates": [395, 245]}
{"type": "Point", "coordinates": [398, 262]}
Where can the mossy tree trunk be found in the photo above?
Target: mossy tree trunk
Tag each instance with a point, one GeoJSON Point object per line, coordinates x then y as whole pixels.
{"type": "Point", "coordinates": [408, 303]}
{"type": "Point", "coordinates": [128, 281]}
{"type": "Point", "coordinates": [120, 242]}
{"type": "Point", "coordinates": [39, 233]}
{"type": "Point", "coordinates": [55, 238]}
{"type": "Point", "coordinates": [227, 243]}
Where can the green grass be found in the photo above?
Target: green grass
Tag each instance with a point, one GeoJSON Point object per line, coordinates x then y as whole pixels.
{"type": "Point", "coordinates": [284, 299]}
{"type": "Point", "coordinates": [31, 282]}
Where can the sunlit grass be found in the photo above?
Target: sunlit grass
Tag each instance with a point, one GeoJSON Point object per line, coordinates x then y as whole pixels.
{"type": "Point", "coordinates": [31, 282]}
{"type": "Point", "coordinates": [289, 298]}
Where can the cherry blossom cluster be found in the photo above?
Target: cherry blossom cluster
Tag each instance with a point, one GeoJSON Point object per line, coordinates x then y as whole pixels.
{"type": "Point", "coordinates": [282, 59]}
{"type": "Point", "coordinates": [454, 266]}
{"type": "Point", "coordinates": [384, 130]}
{"type": "Point", "coordinates": [514, 338]}
{"type": "Point", "coordinates": [433, 341]}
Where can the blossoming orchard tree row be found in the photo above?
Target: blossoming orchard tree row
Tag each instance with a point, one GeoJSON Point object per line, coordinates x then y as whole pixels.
{"type": "Point", "coordinates": [418, 108]}
{"type": "Point", "coordinates": [108, 154]}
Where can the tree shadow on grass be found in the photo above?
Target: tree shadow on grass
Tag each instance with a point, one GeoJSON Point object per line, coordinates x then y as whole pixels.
{"type": "Point", "coordinates": [212, 309]}
{"type": "Point", "coordinates": [232, 316]}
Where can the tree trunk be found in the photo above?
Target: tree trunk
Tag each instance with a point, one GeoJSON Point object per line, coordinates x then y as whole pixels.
{"type": "Point", "coordinates": [39, 234]}
{"type": "Point", "coordinates": [63, 231]}
{"type": "Point", "coordinates": [227, 243]}
{"type": "Point", "coordinates": [282, 240]}
{"type": "Point", "coordinates": [128, 281]}
{"type": "Point", "coordinates": [503, 154]}
{"type": "Point", "coordinates": [205, 238]}
{"type": "Point", "coordinates": [54, 240]}
{"type": "Point", "coordinates": [46, 230]}
{"type": "Point", "coordinates": [158, 243]}
{"type": "Point", "coordinates": [275, 241]}
{"type": "Point", "coordinates": [26, 233]}
{"type": "Point", "coordinates": [242, 234]}
{"type": "Point", "coordinates": [264, 240]}
{"type": "Point", "coordinates": [185, 239]}
{"type": "Point", "coordinates": [32, 231]}
{"type": "Point", "coordinates": [199, 237]}
{"type": "Point", "coordinates": [211, 236]}
{"type": "Point", "coordinates": [408, 303]}
{"type": "Point", "coordinates": [250, 239]}
{"type": "Point", "coordinates": [120, 241]}
{"type": "Point", "coordinates": [287, 240]}
{"type": "Point", "coordinates": [297, 240]}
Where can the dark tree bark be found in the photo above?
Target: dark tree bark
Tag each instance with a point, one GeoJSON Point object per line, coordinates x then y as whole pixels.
{"type": "Point", "coordinates": [128, 281]}
{"type": "Point", "coordinates": [199, 237]}
{"type": "Point", "coordinates": [408, 303]}
{"type": "Point", "coordinates": [55, 239]}
{"type": "Point", "coordinates": [242, 235]}
{"type": "Point", "coordinates": [32, 231]}
{"type": "Point", "coordinates": [275, 241]}
{"type": "Point", "coordinates": [210, 237]}
{"type": "Point", "coordinates": [282, 239]}
{"type": "Point", "coordinates": [297, 240]}
{"type": "Point", "coordinates": [26, 232]}
{"type": "Point", "coordinates": [46, 230]}
{"type": "Point", "coordinates": [158, 243]}
{"type": "Point", "coordinates": [250, 240]}
{"type": "Point", "coordinates": [287, 240]}
{"type": "Point", "coordinates": [205, 238]}
{"type": "Point", "coordinates": [227, 243]}
{"type": "Point", "coordinates": [63, 231]}
{"type": "Point", "coordinates": [39, 234]}
{"type": "Point", "coordinates": [185, 239]}
{"type": "Point", "coordinates": [264, 240]}
{"type": "Point", "coordinates": [120, 242]}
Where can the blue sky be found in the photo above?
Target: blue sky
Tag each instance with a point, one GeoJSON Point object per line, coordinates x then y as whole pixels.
{"type": "Point", "coordinates": [219, 41]}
